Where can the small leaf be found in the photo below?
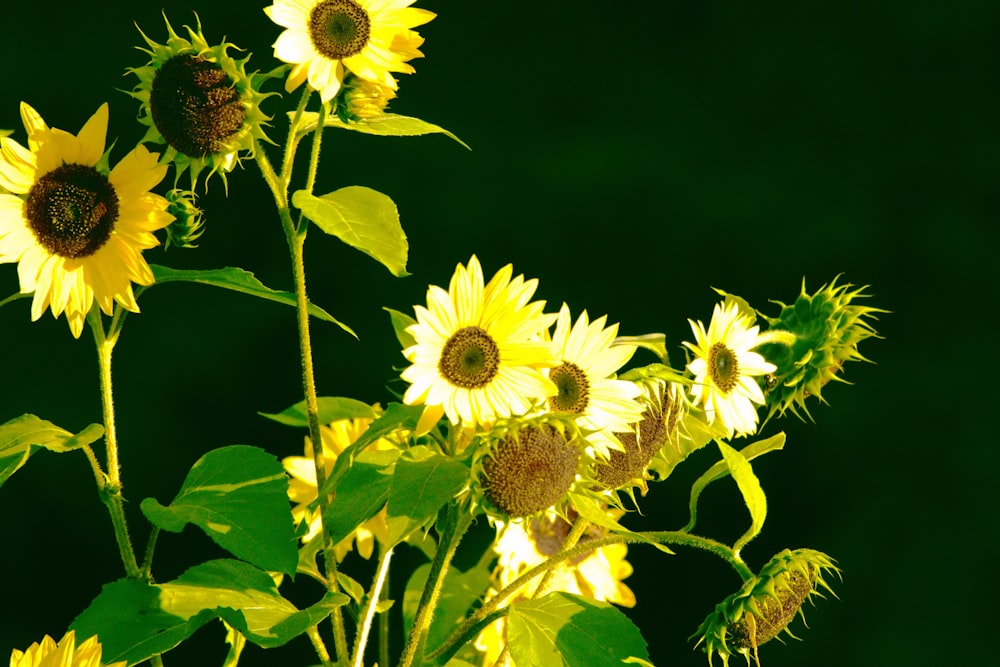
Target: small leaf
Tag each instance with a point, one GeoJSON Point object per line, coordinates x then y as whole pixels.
{"type": "Point", "coordinates": [238, 280]}
{"type": "Point", "coordinates": [720, 470]}
{"type": "Point", "coordinates": [238, 495]}
{"type": "Point", "coordinates": [423, 482]}
{"type": "Point", "coordinates": [588, 509]}
{"type": "Point", "coordinates": [654, 342]}
{"type": "Point", "coordinates": [364, 219]}
{"type": "Point", "coordinates": [21, 436]}
{"type": "Point", "coordinates": [385, 125]}
{"type": "Point", "coordinates": [753, 494]}
{"type": "Point", "coordinates": [331, 409]}
{"type": "Point", "coordinates": [563, 630]}
{"type": "Point", "coordinates": [399, 323]}
{"type": "Point", "coordinates": [136, 620]}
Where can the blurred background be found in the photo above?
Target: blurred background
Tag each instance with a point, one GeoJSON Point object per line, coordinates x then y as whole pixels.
{"type": "Point", "coordinates": [630, 156]}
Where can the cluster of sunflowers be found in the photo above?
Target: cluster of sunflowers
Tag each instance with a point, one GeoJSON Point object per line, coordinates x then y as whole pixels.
{"type": "Point", "coordinates": [529, 417]}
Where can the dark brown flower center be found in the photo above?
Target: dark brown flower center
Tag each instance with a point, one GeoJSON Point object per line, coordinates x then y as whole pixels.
{"type": "Point", "coordinates": [530, 471]}
{"type": "Point", "coordinates": [195, 105]}
{"type": "Point", "coordinates": [723, 367]}
{"type": "Point", "coordinates": [72, 210]}
{"type": "Point", "coordinates": [573, 386]}
{"type": "Point", "coordinates": [339, 28]}
{"type": "Point", "coordinates": [470, 359]}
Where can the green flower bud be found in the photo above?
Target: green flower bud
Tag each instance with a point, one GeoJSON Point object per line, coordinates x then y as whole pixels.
{"type": "Point", "coordinates": [189, 221]}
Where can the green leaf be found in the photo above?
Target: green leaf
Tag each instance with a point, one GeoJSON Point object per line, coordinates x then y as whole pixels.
{"type": "Point", "coordinates": [654, 342]}
{"type": "Point", "coordinates": [22, 436]}
{"type": "Point", "coordinates": [395, 418]}
{"type": "Point", "coordinates": [238, 280]}
{"type": "Point", "coordinates": [331, 409]}
{"type": "Point", "coordinates": [399, 323]}
{"type": "Point", "coordinates": [361, 493]}
{"type": "Point", "coordinates": [753, 494]}
{"type": "Point", "coordinates": [589, 509]}
{"type": "Point", "coordinates": [238, 495]}
{"type": "Point", "coordinates": [421, 485]}
{"type": "Point", "coordinates": [385, 125]}
{"type": "Point", "coordinates": [563, 630]}
{"type": "Point", "coordinates": [459, 592]}
{"type": "Point", "coordinates": [720, 470]}
{"type": "Point", "coordinates": [364, 219]}
{"type": "Point", "coordinates": [136, 620]}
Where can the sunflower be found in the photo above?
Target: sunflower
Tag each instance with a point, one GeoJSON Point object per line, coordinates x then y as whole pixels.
{"type": "Point", "coordinates": [76, 230]}
{"type": "Point", "coordinates": [598, 574]}
{"type": "Point", "coordinates": [64, 654]}
{"type": "Point", "coordinates": [200, 102]}
{"type": "Point", "coordinates": [479, 350]}
{"type": "Point", "coordinates": [603, 405]}
{"type": "Point", "coordinates": [324, 39]}
{"type": "Point", "coordinates": [337, 436]}
{"type": "Point", "coordinates": [725, 366]}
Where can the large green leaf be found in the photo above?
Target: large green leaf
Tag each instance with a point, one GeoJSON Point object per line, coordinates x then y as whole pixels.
{"type": "Point", "coordinates": [238, 280]}
{"type": "Point", "coordinates": [563, 630]}
{"type": "Point", "coordinates": [753, 494]}
{"type": "Point", "coordinates": [22, 436]}
{"type": "Point", "coordinates": [460, 591]}
{"type": "Point", "coordinates": [720, 470]}
{"type": "Point", "coordinates": [385, 125]}
{"type": "Point", "coordinates": [136, 620]}
{"type": "Point", "coordinates": [364, 219]}
{"type": "Point", "coordinates": [421, 485]}
{"type": "Point", "coordinates": [238, 495]}
{"type": "Point", "coordinates": [360, 493]}
{"type": "Point", "coordinates": [331, 409]}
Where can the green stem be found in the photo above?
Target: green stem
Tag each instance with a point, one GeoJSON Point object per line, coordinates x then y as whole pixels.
{"type": "Point", "coordinates": [147, 561]}
{"type": "Point", "coordinates": [110, 485]}
{"type": "Point", "coordinates": [317, 642]}
{"type": "Point", "coordinates": [576, 532]}
{"type": "Point", "coordinates": [364, 627]}
{"type": "Point", "coordinates": [463, 634]}
{"type": "Point", "coordinates": [456, 523]}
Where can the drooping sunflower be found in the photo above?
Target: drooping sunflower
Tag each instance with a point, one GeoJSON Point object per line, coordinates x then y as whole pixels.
{"type": "Point", "coordinates": [200, 102]}
{"type": "Point", "coordinates": [64, 654]}
{"type": "Point", "coordinates": [337, 436]}
{"type": "Point", "coordinates": [325, 39]}
{"type": "Point", "coordinates": [725, 366]}
{"type": "Point", "coordinates": [479, 349]}
{"type": "Point", "coordinates": [598, 574]}
{"type": "Point", "coordinates": [77, 230]}
{"type": "Point", "coordinates": [603, 405]}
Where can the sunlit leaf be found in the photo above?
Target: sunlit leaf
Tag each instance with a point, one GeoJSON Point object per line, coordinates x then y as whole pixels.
{"type": "Point", "coordinates": [238, 280]}
{"type": "Point", "coordinates": [331, 409]}
{"type": "Point", "coordinates": [361, 493]}
{"type": "Point", "coordinates": [385, 125]}
{"type": "Point", "coordinates": [459, 592]}
{"type": "Point", "coordinates": [238, 495]}
{"type": "Point", "coordinates": [421, 485]}
{"type": "Point", "coordinates": [563, 630]}
{"type": "Point", "coordinates": [399, 323]}
{"type": "Point", "coordinates": [364, 219]}
{"type": "Point", "coordinates": [753, 494]}
{"type": "Point", "coordinates": [23, 435]}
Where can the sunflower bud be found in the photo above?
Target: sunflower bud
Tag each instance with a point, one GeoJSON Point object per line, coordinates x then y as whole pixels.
{"type": "Point", "coordinates": [361, 99]}
{"type": "Point", "coordinates": [827, 327]}
{"type": "Point", "coordinates": [765, 605]}
{"type": "Point", "coordinates": [189, 221]}
{"type": "Point", "coordinates": [530, 467]}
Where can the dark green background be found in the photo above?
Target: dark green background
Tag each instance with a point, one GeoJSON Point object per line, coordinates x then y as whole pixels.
{"type": "Point", "coordinates": [630, 156]}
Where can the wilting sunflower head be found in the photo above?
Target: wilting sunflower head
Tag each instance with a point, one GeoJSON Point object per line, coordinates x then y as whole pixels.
{"type": "Point", "coordinates": [826, 328]}
{"type": "Point", "coordinates": [765, 605]}
{"type": "Point", "coordinates": [525, 466]}
{"type": "Point", "coordinates": [64, 654]}
{"type": "Point", "coordinates": [324, 40]}
{"type": "Point", "coordinates": [75, 228]}
{"type": "Point", "coordinates": [663, 407]}
{"type": "Point", "coordinates": [200, 102]}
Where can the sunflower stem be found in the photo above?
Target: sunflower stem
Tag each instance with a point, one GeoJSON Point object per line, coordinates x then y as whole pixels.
{"type": "Point", "coordinates": [576, 532]}
{"type": "Point", "coordinates": [456, 523]}
{"type": "Point", "coordinates": [110, 484]}
{"type": "Point", "coordinates": [318, 644]}
{"type": "Point", "coordinates": [364, 627]}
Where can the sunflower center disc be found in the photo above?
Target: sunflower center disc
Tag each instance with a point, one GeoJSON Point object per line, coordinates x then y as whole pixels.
{"type": "Point", "coordinates": [195, 105]}
{"type": "Point", "coordinates": [574, 389]}
{"type": "Point", "coordinates": [470, 359]}
{"type": "Point", "coordinates": [339, 28]}
{"type": "Point", "coordinates": [723, 366]}
{"type": "Point", "coordinates": [72, 210]}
